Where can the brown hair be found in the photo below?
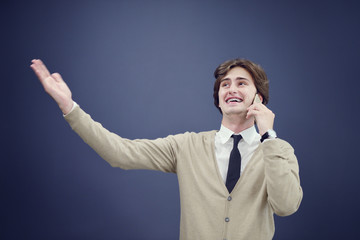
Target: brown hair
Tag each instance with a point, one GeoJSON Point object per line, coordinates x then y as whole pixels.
{"type": "Point", "coordinates": [257, 73]}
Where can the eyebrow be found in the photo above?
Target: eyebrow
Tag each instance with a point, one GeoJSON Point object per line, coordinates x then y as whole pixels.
{"type": "Point", "coordinates": [238, 78]}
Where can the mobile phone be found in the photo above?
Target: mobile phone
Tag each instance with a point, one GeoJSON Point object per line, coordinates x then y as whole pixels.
{"type": "Point", "coordinates": [257, 99]}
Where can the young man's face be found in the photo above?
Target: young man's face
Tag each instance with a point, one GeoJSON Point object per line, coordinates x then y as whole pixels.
{"type": "Point", "coordinates": [236, 93]}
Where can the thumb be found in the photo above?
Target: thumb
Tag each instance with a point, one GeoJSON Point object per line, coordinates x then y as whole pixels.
{"type": "Point", "coordinates": [57, 77]}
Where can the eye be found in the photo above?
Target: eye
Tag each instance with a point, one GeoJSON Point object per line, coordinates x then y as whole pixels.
{"type": "Point", "coordinates": [224, 84]}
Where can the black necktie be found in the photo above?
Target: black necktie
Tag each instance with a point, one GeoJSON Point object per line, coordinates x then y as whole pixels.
{"type": "Point", "coordinates": [233, 173]}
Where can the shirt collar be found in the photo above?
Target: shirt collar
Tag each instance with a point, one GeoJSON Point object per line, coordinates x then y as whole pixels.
{"type": "Point", "coordinates": [249, 135]}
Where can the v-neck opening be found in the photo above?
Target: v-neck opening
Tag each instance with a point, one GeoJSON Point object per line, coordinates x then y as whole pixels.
{"type": "Point", "coordinates": [250, 163]}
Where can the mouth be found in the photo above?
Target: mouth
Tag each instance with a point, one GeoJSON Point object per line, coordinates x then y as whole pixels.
{"type": "Point", "coordinates": [233, 100]}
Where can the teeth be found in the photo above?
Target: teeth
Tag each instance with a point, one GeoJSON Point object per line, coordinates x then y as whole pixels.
{"type": "Point", "coordinates": [234, 100]}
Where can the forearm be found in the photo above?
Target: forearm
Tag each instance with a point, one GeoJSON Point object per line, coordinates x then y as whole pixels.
{"type": "Point", "coordinates": [120, 152]}
{"type": "Point", "coordinates": [282, 177]}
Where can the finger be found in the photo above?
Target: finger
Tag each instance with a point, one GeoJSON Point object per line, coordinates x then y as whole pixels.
{"type": "Point", "coordinates": [251, 113]}
{"type": "Point", "coordinates": [254, 104]}
{"type": "Point", "coordinates": [43, 69]}
{"type": "Point", "coordinates": [253, 107]}
{"type": "Point", "coordinates": [37, 71]}
{"type": "Point", "coordinates": [40, 69]}
{"type": "Point", "coordinates": [258, 107]}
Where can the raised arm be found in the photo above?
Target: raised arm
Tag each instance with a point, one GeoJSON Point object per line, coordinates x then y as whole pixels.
{"type": "Point", "coordinates": [156, 154]}
{"type": "Point", "coordinates": [54, 85]}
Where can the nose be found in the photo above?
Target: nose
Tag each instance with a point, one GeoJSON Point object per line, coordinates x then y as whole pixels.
{"type": "Point", "coordinates": [232, 88]}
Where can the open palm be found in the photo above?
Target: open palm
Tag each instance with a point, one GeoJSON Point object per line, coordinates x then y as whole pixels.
{"type": "Point", "coordinates": [54, 85]}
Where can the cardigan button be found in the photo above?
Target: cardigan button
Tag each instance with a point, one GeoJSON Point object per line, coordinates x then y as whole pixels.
{"type": "Point", "coordinates": [229, 198]}
{"type": "Point", "coordinates": [227, 219]}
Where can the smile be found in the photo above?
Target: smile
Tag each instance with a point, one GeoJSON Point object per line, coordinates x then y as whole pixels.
{"type": "Point", "coordinates": [230, 100]}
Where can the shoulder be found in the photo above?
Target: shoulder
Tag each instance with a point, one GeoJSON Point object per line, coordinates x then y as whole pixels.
{"type": "Point", "coordinates": [193, 137]}
{"type": "Point", "coordinates": [199, 135]}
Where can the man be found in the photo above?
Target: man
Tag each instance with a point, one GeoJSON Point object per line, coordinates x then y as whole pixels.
{"type": "Point", "coordinates": [231, 181]}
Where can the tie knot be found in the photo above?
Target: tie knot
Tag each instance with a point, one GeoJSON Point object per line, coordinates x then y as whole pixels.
{"type": "Point", "coordinates": [237, 139]}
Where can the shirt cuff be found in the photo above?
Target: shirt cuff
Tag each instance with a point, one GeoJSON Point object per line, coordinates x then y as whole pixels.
{"type": "Point", "coordinates": [73, 107]}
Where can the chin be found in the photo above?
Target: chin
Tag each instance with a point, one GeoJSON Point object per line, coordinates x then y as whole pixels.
{"type": "Point", "coordinates": [234, 112]}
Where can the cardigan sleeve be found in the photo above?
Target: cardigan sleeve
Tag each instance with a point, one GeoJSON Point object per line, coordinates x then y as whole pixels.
{"type": "Point", "coordinates": [158, 154]}
{"type": "Point", "coordinates": [282, 177]}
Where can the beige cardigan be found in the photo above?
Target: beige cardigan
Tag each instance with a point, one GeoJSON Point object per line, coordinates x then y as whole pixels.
{"type": "Point", "coordinates": [269, 184]}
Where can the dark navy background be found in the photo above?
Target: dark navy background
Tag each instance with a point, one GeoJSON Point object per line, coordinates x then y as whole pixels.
{"type": "Point", "coordinates": [144, 69]}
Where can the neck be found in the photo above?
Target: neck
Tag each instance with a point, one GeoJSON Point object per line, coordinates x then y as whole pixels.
{"type": "Point", "coordinates": [236, 123]}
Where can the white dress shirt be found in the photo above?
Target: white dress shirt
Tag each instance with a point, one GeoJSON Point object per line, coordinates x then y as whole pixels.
{"type": "Point", "coordinates": [224, 144]}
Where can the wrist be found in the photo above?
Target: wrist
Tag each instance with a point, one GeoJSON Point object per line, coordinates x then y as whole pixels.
{"type": "Point", "coordinates": [269, 134]}
{"type": "Point", "coordinates": [67, 108]}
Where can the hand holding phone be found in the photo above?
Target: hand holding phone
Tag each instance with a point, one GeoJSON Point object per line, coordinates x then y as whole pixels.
{"type": "Point", "coordinates": [263, 116]}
